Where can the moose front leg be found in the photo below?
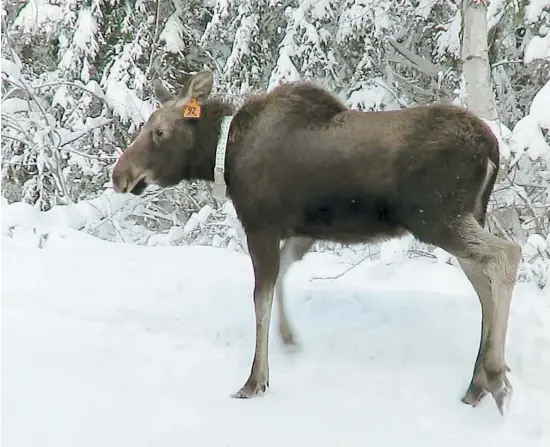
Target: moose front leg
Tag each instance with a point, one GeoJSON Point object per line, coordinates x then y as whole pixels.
{"type": "Point", "coordinates": [264, 252]}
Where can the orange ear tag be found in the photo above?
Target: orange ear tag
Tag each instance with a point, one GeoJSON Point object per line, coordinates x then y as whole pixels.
{"type": "Point", "coordinates": [192, 109]}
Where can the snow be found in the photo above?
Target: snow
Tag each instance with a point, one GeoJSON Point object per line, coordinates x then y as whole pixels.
{"type": "Point", "coordinates": [448, 40]}
{"type": "Point", "coordinates": [241, 44]}
{"type": "Point", "coordinates": [375, 96]}
{"type": "Point", "coordinates": [285, 71]}
{"type": "Point", "coordinates": [10, 68]}
{"type": "Point", "coordinates": [382, 21]}
{"type": "Point", "coordinates": [425, 7]}
{"type": "Point", "coordinates": [172, 35]}
{"type": "Point", "coordinates": [117, 344]}
{"type": "Point", "coordinates": [126, 104]}
{"type": "Point", "coordinates": [117, 81]}
{"type": "Point", "coordinates": [527, 134]}
{"type": "Point", "coordinates": [23, 220]}
{"type": "Point", "coordinates": [86, 28]}
{"type": "Point", "coordinates": [394, 250]}
{"type": "Point", "coordinates": [38, 14]}
{"type": "Point", "coordinates": [503, 135]}
{"type": "Point", "coordinates": [197, 218]}
{"type": "Point", "coordinates": [537, 252]}
{"type": "Point", "coordinates": [355, 15]}
{"type": "Point", "coordinates": [534, 9]}
{"type": "Point", "coordinates": [538, 48]}
{"type": "Point", "coordinates": [14, 105]}
{"type": "Point", "coordinates": [536, 245]}
{"type": "Point", "coordinates": [319, 10]}
{"type": "Point", "coordinates": [495, 11]}
{"type": "Point", "coordinates": [61, 96]}
{"type": "Point", "coordinates": [540, 106]}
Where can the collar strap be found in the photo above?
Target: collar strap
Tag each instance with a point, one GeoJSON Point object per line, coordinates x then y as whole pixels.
{"type": "Point", "coordinates": [219, 187]}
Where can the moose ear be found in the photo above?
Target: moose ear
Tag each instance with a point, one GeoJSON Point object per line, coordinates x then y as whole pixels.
{"type": "Point", "coordinates": [162, 94]}
{"type": "Point", "coordinates": [197, 86]}
{"type": "Point", "coordinates": [183, 81]}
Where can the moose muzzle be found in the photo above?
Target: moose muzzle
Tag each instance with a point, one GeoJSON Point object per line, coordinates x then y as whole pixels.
{"type": "Point", "coordinates": [128, 175]}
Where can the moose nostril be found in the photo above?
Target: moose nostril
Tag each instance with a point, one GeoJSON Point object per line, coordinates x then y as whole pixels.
{"type": "Point", "coordinates": [120, 182]}
{"type": "Point", "coordinates": [123, 185]}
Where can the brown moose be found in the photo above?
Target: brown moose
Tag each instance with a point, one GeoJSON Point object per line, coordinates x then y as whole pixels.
{"type": "Point", "coordinates": [301, 167]}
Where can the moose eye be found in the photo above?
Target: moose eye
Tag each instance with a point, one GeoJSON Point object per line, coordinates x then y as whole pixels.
{"type": "Point", "coordinates": [159, 132]}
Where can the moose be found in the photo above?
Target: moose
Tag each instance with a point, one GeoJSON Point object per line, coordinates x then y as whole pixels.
{"type": "Point", "coordinates": [300, 166]}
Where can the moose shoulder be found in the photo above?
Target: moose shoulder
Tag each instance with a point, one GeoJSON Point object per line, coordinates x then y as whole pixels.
{"type": "Point", "coordinates": [301, 167]}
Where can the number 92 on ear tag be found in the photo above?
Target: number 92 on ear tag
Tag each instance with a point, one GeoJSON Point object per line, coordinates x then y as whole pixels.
{"type": "Point", "coordinates": [192, 109]}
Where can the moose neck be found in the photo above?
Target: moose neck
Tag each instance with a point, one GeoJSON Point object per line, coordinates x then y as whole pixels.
{"type": "Point", "coordinates": [207, 136]}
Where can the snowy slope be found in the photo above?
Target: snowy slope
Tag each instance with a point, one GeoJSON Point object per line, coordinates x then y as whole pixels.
{"type": "Point", "coordinates": [109, 344]}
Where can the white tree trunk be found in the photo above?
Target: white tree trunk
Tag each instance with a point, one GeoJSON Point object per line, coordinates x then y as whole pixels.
{"type": "Point", "coordinates": [480, 99]}
{"type": "Point", "coordinates": [475, 59]}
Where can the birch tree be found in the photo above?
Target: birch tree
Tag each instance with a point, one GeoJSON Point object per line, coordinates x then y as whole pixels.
{"type": "Point", "coordinates": [519, 177]}
{"type": "Point", "coordinates": [475, 59]}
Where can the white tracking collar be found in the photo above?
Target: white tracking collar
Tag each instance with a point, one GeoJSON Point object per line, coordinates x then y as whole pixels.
{"type": "Point", "coordinates": [219, 187]}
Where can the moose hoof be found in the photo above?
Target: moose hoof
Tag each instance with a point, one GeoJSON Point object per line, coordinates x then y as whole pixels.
{"type": "Point", "coordinates": [499, 386]}
{"type": "Point", "coordinates": [503, 398]}
{"type": "Point", "coordinates": [474, 395]}
{"type": "Point", "coordinates": [251, 389]}
{"type": "Point", "coordinates": [290, 345]}
{"type": "Point", "coordinates": [288, 339]}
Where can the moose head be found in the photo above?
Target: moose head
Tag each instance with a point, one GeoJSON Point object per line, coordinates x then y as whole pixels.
{"type": "Point", "coordinates": [167, 148]}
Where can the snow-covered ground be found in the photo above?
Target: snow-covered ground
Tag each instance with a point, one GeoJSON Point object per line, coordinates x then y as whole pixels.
{"type": "Point", "coordinates": [111, 344]}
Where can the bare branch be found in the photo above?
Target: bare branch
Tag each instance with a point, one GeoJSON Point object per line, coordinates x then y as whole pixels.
{"type": "Point", "coordinates": [83, 134]}
{"type": "Point", "coordinates": [26, 143]}
{"type": "Point", "coordinates": [345, 271]}
{"type": "Point", "coordinates": [500, 227]}
{"type": "Point", "coordinates": [421, 64]}
{"type": "Point", "coordinates": [155, 40]}
{"type": "Point", "coordinates": [82, 154]}
{"type": "Point", "coordinates": [72, 84]}
{"type": "Point", "coordinates": [498, 64]}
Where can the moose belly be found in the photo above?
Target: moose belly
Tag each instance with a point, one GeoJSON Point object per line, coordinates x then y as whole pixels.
{"type": "Point", "coordinates": [349, 219]}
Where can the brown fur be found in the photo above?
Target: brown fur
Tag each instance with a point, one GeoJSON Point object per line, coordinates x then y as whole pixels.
{"type": "Point", "coordinates": [301, 167]}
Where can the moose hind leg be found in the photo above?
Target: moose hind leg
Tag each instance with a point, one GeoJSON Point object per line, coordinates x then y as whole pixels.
{"type": "Point", "coordinates": [264, 252]}
{"type": "Point", "coordinates": [293, 250]}
{"type": "Point", "coordinates": [497, 260]}
{"type": "Point", "coordinates": [482, 285]}
{"type": "Point", "coordinates": [502, 271]}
